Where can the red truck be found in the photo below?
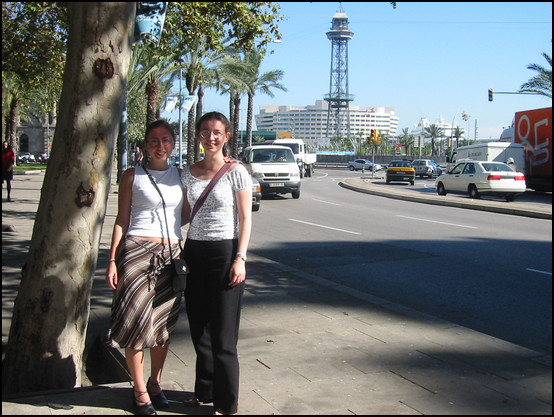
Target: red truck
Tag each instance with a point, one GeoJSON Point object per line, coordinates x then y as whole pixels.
{"type": "Point", "coordinates": [533, 129]}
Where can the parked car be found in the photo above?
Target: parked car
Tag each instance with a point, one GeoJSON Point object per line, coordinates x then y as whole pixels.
{"type": "Point", "coordinates": [478, 178]}
{"type": "Point", "coordinates": [26, 157]}
{"type": "Point", "coordinates": [366, 164]}
{"type": "Point", "coordinates": [423, 168]}
{"type": "Point", "coordinates": [43, 158]}
{"type": "Point", "coordinates": [401, 171]}
{"type": "Point", "coordinates": [437, 167]}
{"type": "Point", "coordinates": [256, 194]}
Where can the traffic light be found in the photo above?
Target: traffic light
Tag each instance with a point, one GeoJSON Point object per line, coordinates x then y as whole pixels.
{"type": "Point", "coordinates": [490, 94]}
{"type": "Point", "coordinates": [377, 138]}
{"type": "Point", "coordinates": [371, 137]}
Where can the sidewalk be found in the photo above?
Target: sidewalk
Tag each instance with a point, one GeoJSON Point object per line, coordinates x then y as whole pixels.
{"type": "Point", "coordinates": [307, 346]}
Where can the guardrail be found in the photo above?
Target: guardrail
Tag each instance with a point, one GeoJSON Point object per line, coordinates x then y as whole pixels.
{"type": "Point", "coordinates": [331, 165]}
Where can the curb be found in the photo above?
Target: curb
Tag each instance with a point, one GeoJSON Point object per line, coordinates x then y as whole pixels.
{"type": "Point", "coordinates": [368, 188]}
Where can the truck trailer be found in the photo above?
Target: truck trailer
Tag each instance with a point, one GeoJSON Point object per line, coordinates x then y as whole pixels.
{"type": "Point", "coordinates": [491, 151]}
{"type": "Point", "coordinates": [533, 130]}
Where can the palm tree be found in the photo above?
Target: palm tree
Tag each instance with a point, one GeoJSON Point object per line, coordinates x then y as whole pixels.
{"type": "Point", "coordinates": [199, 66]}
{"type": "Point", "coordinates": [145, 86]}
{"type": "Point", "coordinates": [433, 132]}
{"type": "Point", "coordinates": [406, 140]}
{"type": "Point", "coordinates": [458, 133]}
{"type": "Point", "coordinates": [256, 82]}
{"type": "Point", "coordinates": [542, 82]}
{"type": "Point", "coordinates": [233, 79]}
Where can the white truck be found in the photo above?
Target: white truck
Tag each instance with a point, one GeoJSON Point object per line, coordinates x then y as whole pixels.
{"type": "Point", "coordinates": [306, 161]}
{"type": "Point", "coordinates": [275, 167]}
{"type": "Point", "coordinates": [490, 151]}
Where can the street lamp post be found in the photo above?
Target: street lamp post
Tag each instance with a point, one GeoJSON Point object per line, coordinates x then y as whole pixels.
{"type": "Point", "coordinates": [182, 101]}
{"type": "Point", "coordinates": [180, 122]}
{"type": "Point", "coordinates": [465, 117]}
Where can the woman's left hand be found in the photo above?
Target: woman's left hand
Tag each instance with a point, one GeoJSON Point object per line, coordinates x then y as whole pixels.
{"type": "Point", "coordinates": [237, 273]}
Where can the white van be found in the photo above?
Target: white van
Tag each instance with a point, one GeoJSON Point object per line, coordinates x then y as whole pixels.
{"type": "Point", "coordinates": [275, 167]}
{"type": "Point", "coordinates": [490, 151]}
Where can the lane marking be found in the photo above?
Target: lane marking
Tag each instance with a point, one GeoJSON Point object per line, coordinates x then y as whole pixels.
{"type": "Point", "coordinates": [325, 227]}
{"type": "Point", "coordinates": [538, 271]}
{"type": "Point", "coordinates": [434, 221]}
{"type": "Point", "coordinates": [326, 202]}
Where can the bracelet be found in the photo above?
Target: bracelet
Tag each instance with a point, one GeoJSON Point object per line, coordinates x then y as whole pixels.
{"type": "Point", "coordinates": [111, 260]}
{"type": "Point", "coordinates": [241, 255]}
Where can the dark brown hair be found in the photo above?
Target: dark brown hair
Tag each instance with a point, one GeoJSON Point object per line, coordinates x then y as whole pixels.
{"type": "Point", "coordinates": [213, 115]}
{"type": "Point", "coordinates": [159, 123]}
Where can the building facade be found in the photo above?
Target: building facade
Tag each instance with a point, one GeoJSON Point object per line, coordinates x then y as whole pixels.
{"type": "Point", "coordinates": [35, 136]}
{"type": "Point", "coordinates": [418, 130]}
{"type": "Point", "coordinates": [310, 122]}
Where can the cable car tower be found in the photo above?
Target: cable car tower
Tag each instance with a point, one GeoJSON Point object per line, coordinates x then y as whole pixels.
{"type": "Point", "coordinates": [338, 112]}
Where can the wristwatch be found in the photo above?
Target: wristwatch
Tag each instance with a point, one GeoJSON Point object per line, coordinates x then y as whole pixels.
{"type": "Point", "coordinates": [241, 255]}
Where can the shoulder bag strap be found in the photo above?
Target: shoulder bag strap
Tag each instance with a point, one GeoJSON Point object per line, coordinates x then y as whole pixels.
{"type": "Point", "coordinates": [226, 167]}
{"type": "Point", "coordinates": [163, 205]}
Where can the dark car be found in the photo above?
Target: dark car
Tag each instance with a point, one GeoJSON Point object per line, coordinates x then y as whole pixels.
{"type": "Point", "coordinates": [401, 171]}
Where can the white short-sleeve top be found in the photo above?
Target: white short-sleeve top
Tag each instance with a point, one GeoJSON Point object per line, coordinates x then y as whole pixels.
{"type": "Point", "coordinates": [217, 219]}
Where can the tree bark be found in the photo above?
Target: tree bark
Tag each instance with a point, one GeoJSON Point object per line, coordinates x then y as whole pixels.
{"type": "Point", "coordinates": [151, 100]}
{"type": "Point", "coordinates": [249, 116]}
{"type": "Point", "coordinates": [51, 311]}
{"type": "Point", "coordinates": [235, 120]}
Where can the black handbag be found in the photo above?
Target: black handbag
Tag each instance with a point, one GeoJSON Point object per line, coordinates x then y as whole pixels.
{"type": "Point", "coordinates": [178, 267]}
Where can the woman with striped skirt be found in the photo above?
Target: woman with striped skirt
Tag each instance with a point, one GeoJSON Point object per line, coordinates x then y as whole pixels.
{"type": "Point", "coordinates": [145, 307]}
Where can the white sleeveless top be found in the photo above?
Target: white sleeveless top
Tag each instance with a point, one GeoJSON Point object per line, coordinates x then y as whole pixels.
{"type": "Point", "coordinates": [147, 213]}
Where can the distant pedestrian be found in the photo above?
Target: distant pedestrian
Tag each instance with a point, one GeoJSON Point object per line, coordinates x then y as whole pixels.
{"type": "Point", "coordinates": [511, 163]}
{"type": "Point", "coordinates": [136, 158]}
{"type": "Point", "coordinates": [8, 161]}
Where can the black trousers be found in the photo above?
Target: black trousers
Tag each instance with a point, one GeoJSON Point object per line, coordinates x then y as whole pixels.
{"type": "Point", "coordinates": [213, 310]}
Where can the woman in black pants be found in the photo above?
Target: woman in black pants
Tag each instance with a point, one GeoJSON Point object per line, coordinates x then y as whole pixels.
{"type": "Point", "coordinates": [215, 251]}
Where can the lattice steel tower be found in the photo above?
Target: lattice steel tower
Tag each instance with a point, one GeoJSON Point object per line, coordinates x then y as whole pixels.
{"type": "Point", "coordinates": [338, 113]}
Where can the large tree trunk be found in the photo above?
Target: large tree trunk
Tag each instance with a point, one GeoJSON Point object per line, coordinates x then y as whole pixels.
{"type": "Point", "coordinates": [51, 311]}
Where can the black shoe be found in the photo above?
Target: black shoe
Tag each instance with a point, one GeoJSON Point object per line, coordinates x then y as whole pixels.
{"type": "Point", "coordinates": [145, 409]}
{"type": "Point", "coordinates": [159, 400]}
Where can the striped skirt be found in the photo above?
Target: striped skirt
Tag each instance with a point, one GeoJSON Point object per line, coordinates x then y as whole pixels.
{"type": "Point", "coordinates": [144, 308]}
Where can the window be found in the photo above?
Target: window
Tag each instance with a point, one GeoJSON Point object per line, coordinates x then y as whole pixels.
{"type": "Point", "coordinates": [469, 169]}
{"type": "Point", "coordinates": [24, 143]}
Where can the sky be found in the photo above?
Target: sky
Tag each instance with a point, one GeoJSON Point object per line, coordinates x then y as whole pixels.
{"type": "Point", "coordinates": [428, 60]}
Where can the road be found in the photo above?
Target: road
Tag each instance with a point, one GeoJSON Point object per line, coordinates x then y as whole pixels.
{"type": "Point", "coordinates": [486, 271]}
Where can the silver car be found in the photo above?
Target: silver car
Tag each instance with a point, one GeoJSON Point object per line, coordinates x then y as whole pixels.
{"type": "Point", "coordinates": [423, 168]}
{"type": "Point", "coordinates": [364, 164]}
